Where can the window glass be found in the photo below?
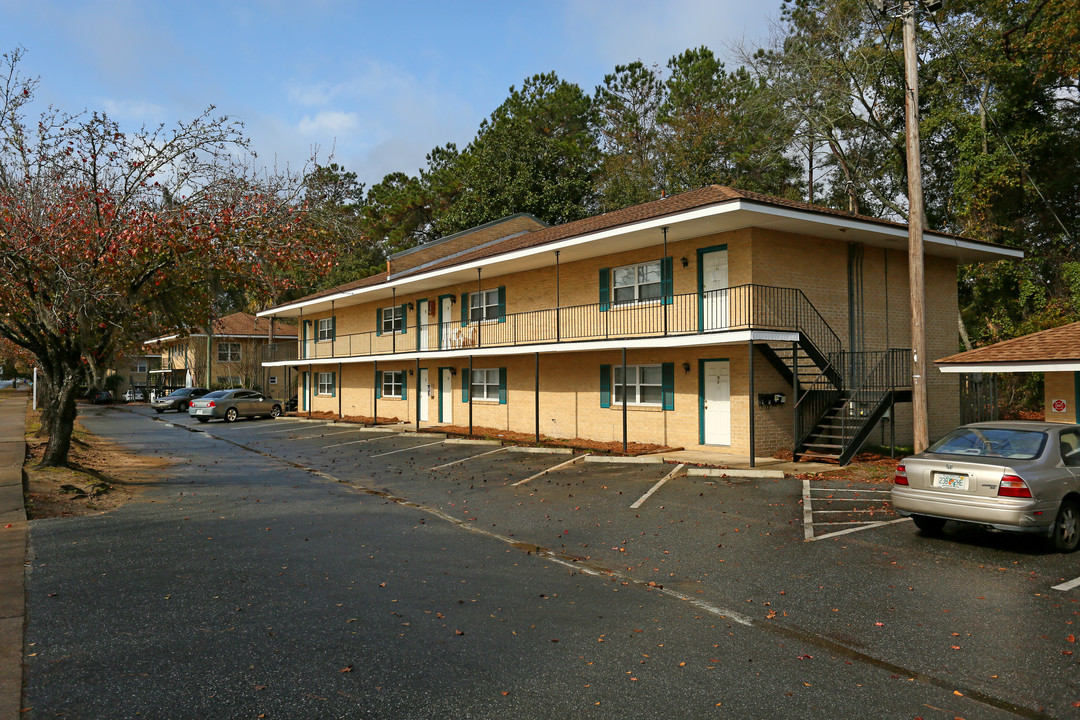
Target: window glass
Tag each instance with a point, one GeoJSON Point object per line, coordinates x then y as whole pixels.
{"type": "Point", "coordinates": [644, 384]}
{"type": "Point", "coordinates": [228, 352]}
{"type": "Point", "coordinates": [391, 383]}
{"type": "Point", "coordinates": [326, 329]}
{"type": "Point", "coordinates": [392, 319]}
{"type": "Point", "coordinates": [991, 442]}
{"type": "Point", "coordinates": [326, 383]}
{"type": "Point", "coordinates": [484, 305]}
{"type": "Point", "coordinates": [634, 283]}
{"type": "Point", "coordinates": [1070, 447]}
{"type": "Point", "coordinates": [485, 384]}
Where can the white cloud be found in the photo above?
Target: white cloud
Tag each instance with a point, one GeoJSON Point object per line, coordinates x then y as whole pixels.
{"type": "Point", "coordinates": [134, 111]}
{"type": "Point", "coordinates": [329, 123]}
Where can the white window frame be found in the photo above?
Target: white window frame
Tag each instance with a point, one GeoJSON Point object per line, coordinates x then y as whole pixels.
{"type": "Point", "coordinates": [231, 352]}
{"type": "Point", "coordinates": [637, 285]}
{"type": "Point", "coordinates": [326, 383]}
{"type": "Point", "coordinates": [484, 306]}
{"type": "Point", "coordinates": [140, 367]}
{"type": "Point", "coordinates": [634, 384]}
{"type": "Point", "coordinates": [486, 389]}
{"type": "Point", "coordinates": [392, 379]}
{"type": "Point", "coordinates": [273, 380]}
{"type": "Point", "coordinates": [392, 316]}
{"type": "Point", "coordinates": [324, 329]}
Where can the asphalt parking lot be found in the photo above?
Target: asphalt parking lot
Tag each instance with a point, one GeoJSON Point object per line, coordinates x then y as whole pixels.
{"type": "Point", "coordinates": [979, 618]}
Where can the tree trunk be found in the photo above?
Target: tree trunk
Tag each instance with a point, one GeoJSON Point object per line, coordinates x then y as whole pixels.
{"type": "Point", "coordinates": [59, 422]}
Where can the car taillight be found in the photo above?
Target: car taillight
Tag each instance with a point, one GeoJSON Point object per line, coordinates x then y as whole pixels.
{"type": "Point", "coordinates": [210, 403]}
{"type": "Point", "coordinates": [1012, 486]}
{"type": "Point", "coordinates": [901, 475]}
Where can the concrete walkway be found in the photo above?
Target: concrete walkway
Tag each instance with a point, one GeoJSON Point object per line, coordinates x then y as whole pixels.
{"type": "Point", "coordinates": [742, 462]}
{"type": "Point", "coordinates": [12, 550]}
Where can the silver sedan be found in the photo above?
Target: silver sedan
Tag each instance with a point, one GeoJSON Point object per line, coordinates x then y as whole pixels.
{"type": "Point", "coordinates": [230, 405]}
{"type": "Point", "coordinates": [1013, 476]}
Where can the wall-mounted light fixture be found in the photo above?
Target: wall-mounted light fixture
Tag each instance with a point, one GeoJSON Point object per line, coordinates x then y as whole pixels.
{"type": "Point", "coordinates": [410, 306]}
{"type": "Point", "coordinates": [684, 261]}
{"type": "Point", "coordinates": [686, 368]}
{"type": "Point", "coordinates": [453, 372]}
{"type": "Point", "coordinates": [410, 372]}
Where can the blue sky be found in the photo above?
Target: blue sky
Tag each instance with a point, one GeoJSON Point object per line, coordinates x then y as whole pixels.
{"type": "Point", "coordinates": [377, 84]}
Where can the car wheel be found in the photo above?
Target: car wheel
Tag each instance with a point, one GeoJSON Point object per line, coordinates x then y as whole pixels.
{"type": "Point", "coordinates": [928, 525]}
{"type": "Point", "coordinates": [275, 411]}
{"type": "Point", "coordinates": [231, 414]}
{"type": "Point", "coordinates": [1066, 537]}
{"type": "Point", "coordinates": [202, 419]}
{"type": "Point", "coordinates": [182, 407]}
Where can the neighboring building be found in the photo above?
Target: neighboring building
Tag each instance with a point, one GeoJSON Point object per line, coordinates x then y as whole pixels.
{"type": "Point", "coordinates": [236, 347]}
{"type": "Point", "coordinates": [746, 323]}
{"type": "Point", "coordinates": [1054, 352]}
{"type": "Point", "coordinates": [137, 371]}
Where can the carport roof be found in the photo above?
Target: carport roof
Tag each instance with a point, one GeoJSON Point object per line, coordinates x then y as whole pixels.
{"type": "Point", "coordinates": [1056, 349]}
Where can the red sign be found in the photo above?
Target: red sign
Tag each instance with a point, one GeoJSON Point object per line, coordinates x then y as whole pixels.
{"type": "Point", "coordinates": [1058, 405]}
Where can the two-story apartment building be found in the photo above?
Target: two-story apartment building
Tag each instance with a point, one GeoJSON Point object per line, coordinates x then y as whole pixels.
{"type": "Point", "coordinates": [716, 319]}
{"type": "Point", "coordinates": [232, 353]}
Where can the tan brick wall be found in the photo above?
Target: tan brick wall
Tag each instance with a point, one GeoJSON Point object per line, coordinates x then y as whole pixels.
{"type": "Point", "coordinates": [1060, 386]}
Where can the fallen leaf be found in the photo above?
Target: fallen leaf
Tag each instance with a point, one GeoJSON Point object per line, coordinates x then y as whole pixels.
{"type": "Point", "coordinates": [347, 668]}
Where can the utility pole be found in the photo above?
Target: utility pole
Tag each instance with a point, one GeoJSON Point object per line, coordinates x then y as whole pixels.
{"type": "Point", "coordinates": [915, 231]}
{"type": "Point", "coordinates": [916, 219]}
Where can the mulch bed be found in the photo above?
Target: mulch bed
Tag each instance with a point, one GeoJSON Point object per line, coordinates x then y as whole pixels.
{"type": "Point", "coordinates": [518, 438]}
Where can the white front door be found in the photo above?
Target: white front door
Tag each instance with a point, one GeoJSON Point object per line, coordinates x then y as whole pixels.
{"type": "Point", "coordinates": [716, 412]}
{"type": "Point", "coordinates": [445, 315]}
{"type": "Point", "coordinates": [424, 323]}
{"type": "Point", "coordinates": [425, 394]}
{"type": "Point", "coordinates": [446, 399]}
{"type": "Point", "coordinates": [714, 289]}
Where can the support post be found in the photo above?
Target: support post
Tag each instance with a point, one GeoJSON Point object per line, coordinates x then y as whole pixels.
{"type": "Point", "coordinates": [311, 389]}
{"type": "Point", "coordinates": [753, 406]}
{"type": "Point", "coordinates": [558, 302]}
{"type": "Point", "coordinates": [536, 402]}
{"type": "Point", "coordinates": [337, 388]}
{"type": "Point", "coordinates": [479, 324]}
{"type": "Point", "coordinates": [375, 396]}
{"type": "Point", "coordinates": [393, 324]}
{"type": "Point", "coordinates": [795, 401]}
{"type": "Point", "coordinates": [469, 381]}
{"type": "Point", "coordinates": [624, 403]}
{"type": "Point", "coordinates": [418, 391]}
{"type": "Point", "coordinates": [915, 232]}
{"type": "Point", "coordinates": [671, 280]}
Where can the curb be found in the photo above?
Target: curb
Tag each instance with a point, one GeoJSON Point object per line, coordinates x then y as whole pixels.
{"type": "Point", "coordinates": [640, 460]}
{"type": "Point", "coordinates": [540, 450]}
{"type": "Point", "coordinates": [467, 441]}
{"type": "Point", "coordinates": [733, 472]}
{"type": "Point", "coordinates": [14, 532]}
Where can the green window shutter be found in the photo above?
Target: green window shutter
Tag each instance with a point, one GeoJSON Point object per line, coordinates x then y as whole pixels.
{"type": "Point", "coordinates": [502, 386]}
{"type": "Point", "coordinates": [465, 380]}
{"type": "Point", "coordinates": [502, 303]}
{"type": "Point", "coordinates": [605, 386]}
{"type": "Point", "coordinates": [667, 285]}
{"type": "Point", "coordinates": [378, 384]}
{"type": "Point", "coordinates": [378, 321]}
{"type": "Point", "coordinates": [404, 385]}
{"type": "Point", "coordinates": [333, 384]}
{"type": "Point", "coordinates": [333, 328]}
{"type": "Point", "coordinates": [464, 309]}
{"type": "Point", "coordinates": [404, 318]}
{"type": "Point", "coordinates": [667, 373]}
{"type": "Point", "coordinates": [605, 289]}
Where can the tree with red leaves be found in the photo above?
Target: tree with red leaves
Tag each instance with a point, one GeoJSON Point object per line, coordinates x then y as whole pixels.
{"type": "Point", "coordinates": [107, 237]}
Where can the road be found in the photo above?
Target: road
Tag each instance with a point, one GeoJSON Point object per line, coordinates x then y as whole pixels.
{"type": "Point", "coordinates": [283, 569]}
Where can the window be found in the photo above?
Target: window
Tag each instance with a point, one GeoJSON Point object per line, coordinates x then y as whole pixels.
{"type": "Point", "coordinates": [392, 383]}
{"type": "Point", "coordinates": [228, 352]}
{"type": "Point", "coordinates": [140, 367]}
{"type": "Point", "coordinates": [326, 329]}
{"type": "Point", "coordinates": [636, 283]}
{"type": "Point", "coordinates": [392, 319]}
{"type": "Point", "coordinates": [326, 383]}
{"type": "Point", "coordinates": [644, 384]}
{"type": "Point", "coordinates": [485, 384]}
{"type": "Point", "coordinates": [484, 305]}
{"type": "Point", "coordinates": [273, 379]}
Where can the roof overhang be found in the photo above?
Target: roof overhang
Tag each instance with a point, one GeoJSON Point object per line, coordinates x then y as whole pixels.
{"type": "Point", "coordinates": [1012, 367]}
{"type": "Point", "coordinates": [719, 217]}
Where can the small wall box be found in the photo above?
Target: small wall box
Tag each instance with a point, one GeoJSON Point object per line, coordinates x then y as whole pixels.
{"type": "Point", "coordinates": [771, 399]}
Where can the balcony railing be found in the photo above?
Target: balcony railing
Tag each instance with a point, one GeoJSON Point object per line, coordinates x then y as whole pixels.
{"type": "Point", "coordinates": [757, 307]}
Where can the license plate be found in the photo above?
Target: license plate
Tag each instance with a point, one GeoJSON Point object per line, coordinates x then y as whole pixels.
{"type": "Point", "coordinates": [202, 411]}
{"type": "Point", "coordinates": [953, 482]}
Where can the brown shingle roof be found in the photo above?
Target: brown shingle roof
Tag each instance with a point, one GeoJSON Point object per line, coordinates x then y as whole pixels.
{"type": "Point", "coordinates": [1056, 344]}
{"type": "Point", "coordinates": [244, 324]}
{"type": "Point", "coordinates": [709, 195]}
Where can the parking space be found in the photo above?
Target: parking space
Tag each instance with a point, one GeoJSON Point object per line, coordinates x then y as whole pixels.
{"type": "Point", "coordinates": [843, 507]}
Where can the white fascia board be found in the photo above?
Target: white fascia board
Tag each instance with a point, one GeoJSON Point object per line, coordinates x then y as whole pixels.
{"type": "Point", "coordinates": [1058, 366]}
{"type": "Point", "coordinates": [735, 337]}
{"type": "Point", "coordinates": [165, 338]}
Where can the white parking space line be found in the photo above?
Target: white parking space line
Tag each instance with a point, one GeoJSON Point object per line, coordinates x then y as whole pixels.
{"type": "Point", "coordinates": [319, 432]}
{"type": "Point", "coordinates": [471, 457]}
{"type": "Point", "coordinates": [657, 486]}
{"type": "Point", "coordinates": [414, 447]}
{"type": "Point", "coordinates": [357, 442]}
{"type": "Point", "coordinates": [553, 468]}
{"type": "Point", "coordinates": [1068, 585]}
{"type": "Point", "coordinates": [807, 512]}
{"type": "Point", "coordinates": [855, 529]}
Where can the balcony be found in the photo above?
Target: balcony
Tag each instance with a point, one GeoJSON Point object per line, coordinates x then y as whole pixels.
{"type": "Point", "coordinates": [745, 307]}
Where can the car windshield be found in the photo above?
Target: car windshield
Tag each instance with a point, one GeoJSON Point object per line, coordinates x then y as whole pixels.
{"type": "Point", "coordinates": [991, 442]}
{"type": "Point", "coordinates": [179, 393]}
{"type": "Point", "coordinates": [215, 394]}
